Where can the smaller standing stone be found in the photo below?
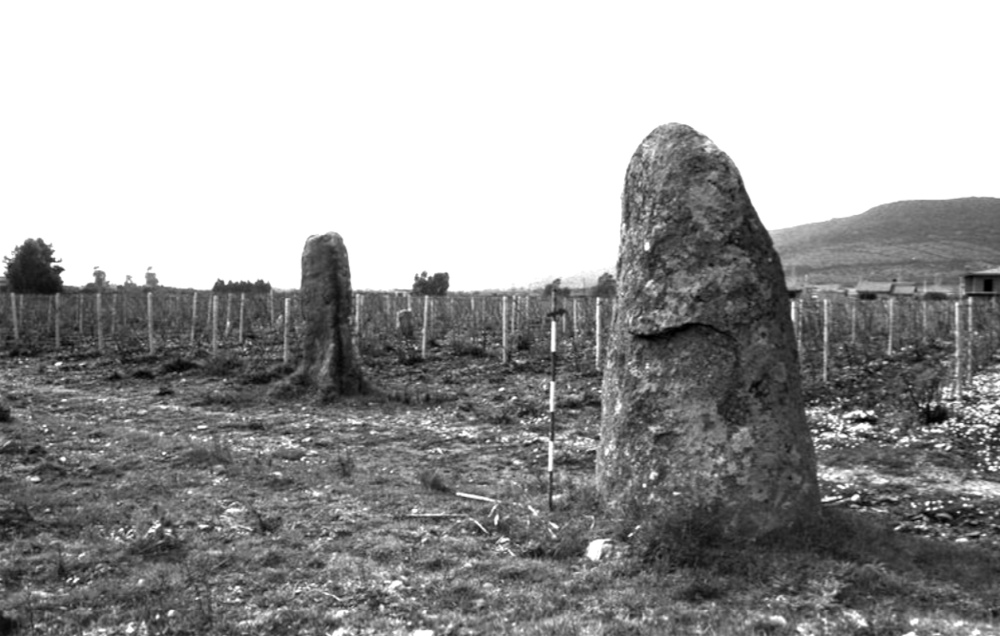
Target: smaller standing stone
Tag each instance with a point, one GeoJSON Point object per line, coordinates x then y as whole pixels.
{"type": "Point", "coordinates": [330, 358]}
{"type": "Point", "coordinates": [404, 323]}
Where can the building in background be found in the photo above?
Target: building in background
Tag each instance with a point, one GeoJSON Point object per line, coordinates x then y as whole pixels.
{"type": "Point", "coordinates": [984, 283]}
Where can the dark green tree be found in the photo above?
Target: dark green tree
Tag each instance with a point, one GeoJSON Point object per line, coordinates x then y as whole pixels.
{"type": "Point", "coordinates": [260, 286]}
{"type": "Point", "coordinates": [606, 286]}
{"type": "Point", "coordinates": [31, 269]}
{"type": "Point", "coordinates": [436, 285]}
{"type": "Point", "coordinates": [152, 282]}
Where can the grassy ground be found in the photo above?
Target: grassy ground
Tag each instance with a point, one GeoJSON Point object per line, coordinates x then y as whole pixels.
{"type": "Point", "coordinates": [172, 496]}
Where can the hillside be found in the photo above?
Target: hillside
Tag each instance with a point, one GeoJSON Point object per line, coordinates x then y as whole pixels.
{"type": "Point", "coordinates": [932, 241]}
{"type": "Point", "coordinates": [912, 240]}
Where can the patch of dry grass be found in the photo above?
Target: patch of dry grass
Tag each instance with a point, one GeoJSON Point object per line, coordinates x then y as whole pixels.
{"type": "Point", "coordinates": [134, 512]}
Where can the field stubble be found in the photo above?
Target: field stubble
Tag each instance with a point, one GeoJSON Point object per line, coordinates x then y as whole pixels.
{"type": "Point", "coordinates": [171, 495]}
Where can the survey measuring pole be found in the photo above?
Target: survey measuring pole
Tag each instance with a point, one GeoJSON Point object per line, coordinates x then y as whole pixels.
{"type": "Point", "coordinates": [553, 349]}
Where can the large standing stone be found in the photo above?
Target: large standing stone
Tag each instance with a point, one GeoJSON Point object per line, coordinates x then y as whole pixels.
{"type": "Point", "coordinates": [702, 405]}
{"type": "Point", "coordinates": [330, 359]}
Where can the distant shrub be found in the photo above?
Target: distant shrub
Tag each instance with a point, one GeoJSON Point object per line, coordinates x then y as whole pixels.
{"type": "Point", "coordinates": [242, 286]}
{"type": "Point", "coordinates": [436, 285]}
{"type": "Point", "coordinates": [32, 269]}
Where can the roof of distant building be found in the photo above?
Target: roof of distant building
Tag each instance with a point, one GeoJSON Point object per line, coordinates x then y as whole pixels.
{"type": "Point", "coordinates": [986, 272]}
{"type": "Point", "coordinates": [873, 287]}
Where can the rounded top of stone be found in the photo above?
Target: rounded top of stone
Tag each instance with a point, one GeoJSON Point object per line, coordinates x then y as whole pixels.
{"type": "Point", "coordinates": [693, 249]}
{"type": "Point", "coordinates": [674, 137]}
{"type": "Point", "coordinates": [328, 236]}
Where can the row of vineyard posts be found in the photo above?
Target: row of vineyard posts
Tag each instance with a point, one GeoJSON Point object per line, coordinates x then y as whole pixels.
{"type": "Point", "coordinates": [138, 321]}
{"type": "Point", "coordinates": [495, 325]}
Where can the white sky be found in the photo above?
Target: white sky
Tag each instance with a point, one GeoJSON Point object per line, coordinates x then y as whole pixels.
{"type": "Point", "coordinates": [490, 140]}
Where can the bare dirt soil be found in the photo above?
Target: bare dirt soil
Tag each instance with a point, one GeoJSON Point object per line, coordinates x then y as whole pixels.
{"type": "Point", "coordinates": [176, 495]}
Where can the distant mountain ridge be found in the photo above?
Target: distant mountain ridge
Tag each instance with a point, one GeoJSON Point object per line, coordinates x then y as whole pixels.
{"type": "Point", "coordinates": [933, 241]}
{"type": "Point", "coordinates": [923, 240]}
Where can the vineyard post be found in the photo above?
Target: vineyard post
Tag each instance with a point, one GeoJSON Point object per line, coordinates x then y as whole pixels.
{"type": "Point", "coordinates": [970, 337]}
{"type": "Point", "coordinates": [14, 317]}
{"type": "Point", "coordinates": [286, 354]}
{"type": "Point", "coordinates": [114, 314]}
{"type": "Point", "coordinates": [503, 332]}
{"type": "Point", "coordinates": [423, 335]}
{"type": "Point", "coordinates": [194, 315]}
{"type": "Point", "coordinates": [576, 320]}
{"type": "Point", "coordinates": [55, 300]}
{"type": "Point", "coordinates": [270, 304]}
{"type": "Point", "coordinates": [923, 317]}
{"type": "Point", "coordinates": [854, 320]}
{"type": "Point", "coordinates": [149, 321]}
{"type": "Point", "coordinates": [473, 321]}
{"type": "Point", "coordinates": [79, 314]}
{"type": "Point", "coordinates": [797, 319]}
{"type": "Point", "coordinates": [243, 303]}
{"type": "Point", "coordinates": [357, 317]}
{"type": "Point", "coordinates": [100, 326]}
{"type": "Point", "coordinates": [552, 403]}
{"type": "Point", "coordinates": [215, 324]}
{"type": "Point", "coordinates": [526, 326]}
{"type": "Point", "coordinates": [958, 349]}
{"type": "Point", "coordinates": [826, 340]}
{"type": "Point", "coordinates": [995, 321]}
{"type": "Point", "coordinates": [513, 315]}
{"type": "Point", "coordinates": [229, 316]}
{"type": "Point", "coordinates": [597, 334]}
{"type": "Point", "coordinates": [449, 309]}
{"type": "Point", "coordinates": [892, 306]}
{"type": "Point", "coordinates": [795, 324]}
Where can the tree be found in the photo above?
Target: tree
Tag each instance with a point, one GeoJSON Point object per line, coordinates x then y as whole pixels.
{"type": "Point", "coordinates": [436, 285]}
{"type": "Point", "coordinates": [151, 281]}
{"type": "Point", "coordinates": [606, 286]}
{"type": "Point", "coordinates": [100, 278]}
{"type": "Point", "coordinates": [31, 269]}
{"type": "Point", "coordinates": [245, 286]}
